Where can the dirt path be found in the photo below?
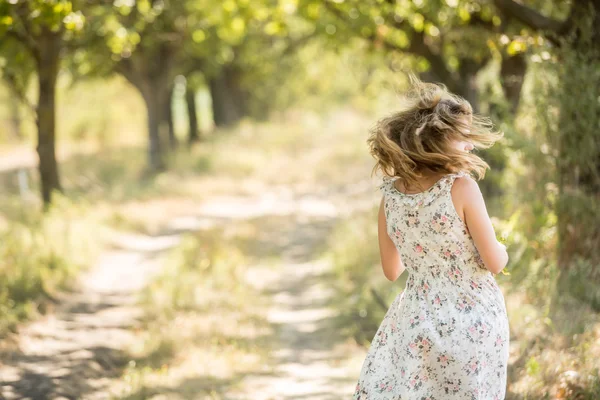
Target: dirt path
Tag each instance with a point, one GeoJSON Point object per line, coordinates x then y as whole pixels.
{"type": "Point", "coordinates": [310, 359]}
{"type": "Point", "coordinates": [78, 351]}
{"type": "Point", "coordinates": [73, 352]}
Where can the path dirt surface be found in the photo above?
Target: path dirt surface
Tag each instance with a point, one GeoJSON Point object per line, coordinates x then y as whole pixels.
{"type": "Point", "coordinates": [79, 351]}
{"type": "Point", "coordinates": [309, 360]}
{"type": "Point", "coordinates": [75, 351]}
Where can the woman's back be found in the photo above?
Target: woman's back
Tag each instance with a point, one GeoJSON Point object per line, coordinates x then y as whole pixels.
{"type": "Point", "coordinates": [427, 230]}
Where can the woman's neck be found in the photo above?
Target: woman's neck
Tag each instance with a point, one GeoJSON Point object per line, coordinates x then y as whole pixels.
{"type": "Point", "coordinates": [428, 179]}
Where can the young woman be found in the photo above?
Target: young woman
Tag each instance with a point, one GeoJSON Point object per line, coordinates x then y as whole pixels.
{"type": "Point", "coordinates": [446, 336]}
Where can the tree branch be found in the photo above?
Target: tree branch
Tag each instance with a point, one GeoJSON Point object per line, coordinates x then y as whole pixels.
{"type": "Point", "coordinates": [529, 16]}
{"type": "Point", "coordinates": [26, 37]}
{"type": "Point", "coordinates": [477, 20]}
{"type": "Point", "coordinates": [295, 44]}
{"type": "Point", "coordinates": [11, 81]}
{"type": "Point", "coordinates": [126, 68]}
{"type": "Point", "coordinates": [419, 47]}
{"type": "Point", "coordinates": [27, 42]}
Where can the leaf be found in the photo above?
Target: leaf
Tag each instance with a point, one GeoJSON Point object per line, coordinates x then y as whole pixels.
{"type": "Point", "coordinates": [515, 47]}
{"type": "Point", "coordinates": [143, 6]}
{"type": "Point", "coordinates": [229, 6]}
{"type": "Point", "coordinates": [238, 25]}
{"type": "Point", "coordinates": [418, 22]}
{"type": "Point", "coordinates": [431, 30]}
{"type": "Point", "coordinates": [272, 28]}
{"type": "Point", "coordinates": [198, 36]}
{"type": "Point", "coordinates": [464, 15]}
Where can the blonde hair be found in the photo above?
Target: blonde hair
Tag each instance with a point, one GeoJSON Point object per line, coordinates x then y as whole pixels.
{"type": "Point", "coordinates": [419, 136]}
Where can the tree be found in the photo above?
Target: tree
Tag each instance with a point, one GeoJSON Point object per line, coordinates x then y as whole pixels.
{"type": "Point", "coordinates": [42, 30]}
{"type": "Point", "coordinates": [142, 42]}
{"type": "Point", "coordinates": [575, 138]}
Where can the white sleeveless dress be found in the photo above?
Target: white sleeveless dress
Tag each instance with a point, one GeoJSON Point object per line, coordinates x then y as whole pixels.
{"type": "Point", "coordinates": [446, 336]}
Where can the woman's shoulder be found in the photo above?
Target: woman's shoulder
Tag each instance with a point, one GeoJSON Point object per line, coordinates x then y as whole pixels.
{"type": "Point", "coordinates": [465, 187]}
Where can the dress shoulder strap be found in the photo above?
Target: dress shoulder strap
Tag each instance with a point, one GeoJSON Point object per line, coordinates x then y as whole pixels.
{"type": "Point", "coordinates": [387, 184]}
{"type": "Point", "coordinates": [445, 191]}
{"type": "Point", "coordinates": [447, 182]}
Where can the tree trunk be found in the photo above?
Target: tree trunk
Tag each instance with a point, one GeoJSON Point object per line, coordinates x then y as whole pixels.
{"type": "Point", "coordinates": [190, 99]}
{"type": "Point", "coordinates": [153, 80]}
{"type": "Point", "coordinates": [15, 120]}
{"type": "Point", "coordinates": [512, 74]}
{"type": "Point", "coordinates": [227, 97]}
{"type": "Point", "coordinates": [48, 65]}
{"type": "Point", "coordinates": [169, 117]}
{"type": "Point", "coordinates": [157, 125]}
{"type": "Point", "coordinates": [466, 86]}
{"type": "Point", "coordinates": [154, 90]}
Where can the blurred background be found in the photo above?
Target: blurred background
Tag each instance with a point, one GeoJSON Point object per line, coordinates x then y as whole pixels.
{"type": "Point", "coordinates": [187, 209]}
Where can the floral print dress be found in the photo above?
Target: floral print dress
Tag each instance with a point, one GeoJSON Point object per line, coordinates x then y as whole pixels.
{"type": "Point", "coordinates": [446, 335]}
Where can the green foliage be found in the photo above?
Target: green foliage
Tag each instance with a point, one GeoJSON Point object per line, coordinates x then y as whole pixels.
{"type": "Point", "coordinates": [23, 27]}
{"type": "Point", "coordinates": [527, 206]}
{"type": "Point", "coordinates": [569, 111]}
{"type": "Point", "coordinates": [209, 33]}
{"type": "Point", "coordinates": [28, 22]}
{"type": "Point", "coordinates": [418, 28]}
{"type": "Point", "coordinates": [56, 15]}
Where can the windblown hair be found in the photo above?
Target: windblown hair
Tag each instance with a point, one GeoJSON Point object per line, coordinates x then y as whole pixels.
{"type": "Point", "coordinates": [418, 137]}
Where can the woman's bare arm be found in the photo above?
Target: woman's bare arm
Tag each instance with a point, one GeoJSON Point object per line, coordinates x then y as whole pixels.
{"type": "Point", "coordinates": [390, 258]}
{"type": "Point", "coordinates": [470, 206]}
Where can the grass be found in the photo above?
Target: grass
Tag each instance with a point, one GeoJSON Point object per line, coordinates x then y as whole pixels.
{"type": "Point", "coordinates": [555, 349]}
{"type": "Point", "coordinates": [40, 254]}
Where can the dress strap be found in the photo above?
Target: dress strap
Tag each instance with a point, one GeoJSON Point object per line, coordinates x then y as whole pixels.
{"type": "Point", "coordinates": [388, 184]}
{"type": "Point", "coordinates": [449, 179]}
